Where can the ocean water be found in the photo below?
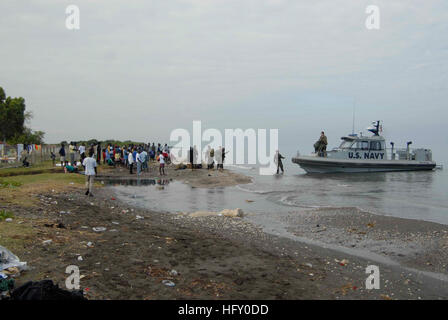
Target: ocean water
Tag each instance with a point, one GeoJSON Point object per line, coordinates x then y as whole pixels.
{"type": "Point", "coordinates": [414, 195]}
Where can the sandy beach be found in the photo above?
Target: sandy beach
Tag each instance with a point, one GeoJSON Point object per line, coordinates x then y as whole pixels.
{"type": "Point", "coordinates": [213, 257]}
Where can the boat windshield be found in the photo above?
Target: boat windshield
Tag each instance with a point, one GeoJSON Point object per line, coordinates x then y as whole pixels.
{"type": "Point", "coordinates": [346, 144]}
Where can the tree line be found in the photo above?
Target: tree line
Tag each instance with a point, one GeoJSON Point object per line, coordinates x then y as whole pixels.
{"type": "Point", "coordinates": [13, 116]}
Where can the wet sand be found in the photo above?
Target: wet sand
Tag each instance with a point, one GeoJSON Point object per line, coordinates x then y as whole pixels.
{"type": "Point", "coordinates": [199, 178]}
{"type": "Point", "coordinates": [412, 243]}
{"type": "Point", "coordinates": [213, 257]}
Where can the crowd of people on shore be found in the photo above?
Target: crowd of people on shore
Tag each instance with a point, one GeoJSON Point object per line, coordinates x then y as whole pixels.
{"type": "Point", "coordinates": [127, 156]}
{"type": "Point", "coordinates": [138, 156]}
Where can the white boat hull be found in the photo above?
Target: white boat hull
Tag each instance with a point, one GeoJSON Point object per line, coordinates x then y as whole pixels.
{"type": "Point", "coordinates": [313, 164]}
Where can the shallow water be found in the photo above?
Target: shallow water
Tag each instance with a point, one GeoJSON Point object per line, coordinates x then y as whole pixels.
{"type": "Point", "coordinates": [414, 195]}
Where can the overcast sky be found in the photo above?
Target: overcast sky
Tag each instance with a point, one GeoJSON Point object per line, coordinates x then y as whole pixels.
{"type": "Point", "coordinates": [139, 69]}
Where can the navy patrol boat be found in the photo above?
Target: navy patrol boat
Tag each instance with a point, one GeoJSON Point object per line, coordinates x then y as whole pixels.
{"type": "Point", "coordinates": [366, 154]}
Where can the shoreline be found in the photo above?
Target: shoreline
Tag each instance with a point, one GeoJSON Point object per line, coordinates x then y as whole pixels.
{"type": "Point", "coordinates": [213, 257]}
{"type": "Point", "coordinates": [414, 244]}
{"type": "Point", "coordinates": [198, 178]}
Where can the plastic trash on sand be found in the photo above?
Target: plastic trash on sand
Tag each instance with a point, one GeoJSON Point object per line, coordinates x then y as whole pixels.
{"type": "Point", "coordinates": [99, 229]}
{"type": "Point", "coordinates": [10, 260]}
{"type": "Point", "coordinates": [168, 283]}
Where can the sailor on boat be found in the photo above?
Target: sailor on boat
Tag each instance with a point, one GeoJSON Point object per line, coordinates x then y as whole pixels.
{"type": "Point", "coordinates": [320, 147]}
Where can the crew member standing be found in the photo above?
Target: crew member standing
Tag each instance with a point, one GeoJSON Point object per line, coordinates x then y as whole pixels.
{"type": "Point", "coordinates": [278, 160]}
{"type": "Point", "coordinates": [320, 147]}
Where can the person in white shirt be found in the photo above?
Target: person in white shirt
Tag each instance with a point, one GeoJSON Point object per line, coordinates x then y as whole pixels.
{"type": "Point", "coordinates": [90, 164]}
{"type": "Point", "coordinates": [82, 152]}
{"type": "Point", "coordinates": [130, 161]}
{"type": "Point", "coordinates": [162, 165]}
{"type": "Point", "coordinates": [139, 161]}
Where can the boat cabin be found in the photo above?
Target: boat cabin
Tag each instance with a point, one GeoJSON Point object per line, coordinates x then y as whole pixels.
{"type": "Point", "coordinates": [376, 143]}
{"type": "Point", "coordinates": [360, 147]}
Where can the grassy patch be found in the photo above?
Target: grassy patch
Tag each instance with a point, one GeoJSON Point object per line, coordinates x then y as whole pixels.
{"type": "Point", "coordinates": [9, 184]}
{"type": "Point", "coordinates": [5, 215]}
{"type": "Point", "coordinates": [46, 166]}
{"type": "Point", "coordinates": [29, 185]}
{"type": "Point", "coordinates": [16, 236]}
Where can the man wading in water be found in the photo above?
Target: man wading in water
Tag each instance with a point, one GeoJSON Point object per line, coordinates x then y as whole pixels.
{"type": "Point", "coordinates": [90, 164]}
{"type": "Point", "coordinates": [278, 160]}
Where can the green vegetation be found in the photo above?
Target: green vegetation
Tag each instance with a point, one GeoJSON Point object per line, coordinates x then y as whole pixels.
{"type": "Point", "coordinates": [32, 184]}
{"type": "Point", "coordinates": [12, 121]}
{"type": "Point", "coordinates": [9, 184]}
{"type": "Point", "coordinates": [5, 215]}
{"type": "Point", "coordinates": [16, 236]}
{"type": "Point", "coordinates": [51, 178]}
{"type": "Point", "coordinates": [41, 167]}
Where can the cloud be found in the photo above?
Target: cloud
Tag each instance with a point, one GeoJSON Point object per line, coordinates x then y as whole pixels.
{"type": "Point", "coordinates": [156, 65]}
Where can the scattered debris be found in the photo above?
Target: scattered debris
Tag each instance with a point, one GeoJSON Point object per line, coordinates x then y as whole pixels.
{"type": "Point", "coordinates": [9, 260]}
{"type": "Point", "coordinates": [99, 229]}
{"type": "Point", "coordinates": [168, 283]}
{"type": "Point", "coordinates": [344, 262]}
{"type": "Point", "coordinates": [226, 212]}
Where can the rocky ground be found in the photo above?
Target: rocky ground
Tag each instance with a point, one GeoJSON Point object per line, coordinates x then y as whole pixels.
{"type": "Point", "coordinates": [415, 244]}
{"type": "Point", "coordinates": [142, 254]}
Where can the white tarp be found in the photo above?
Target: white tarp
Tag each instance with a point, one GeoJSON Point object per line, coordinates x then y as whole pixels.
{"type": "Point", "coordinates": [9, 260]}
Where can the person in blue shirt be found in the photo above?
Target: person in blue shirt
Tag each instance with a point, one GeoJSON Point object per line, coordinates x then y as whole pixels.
{"type": "Point", "coordinates": [62, 154]}
{"type": "Point", "coordinates": [125, 156]}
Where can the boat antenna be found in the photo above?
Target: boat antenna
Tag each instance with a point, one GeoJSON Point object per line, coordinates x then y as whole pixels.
{"type": "Point", "coordinates": [353, 123]}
